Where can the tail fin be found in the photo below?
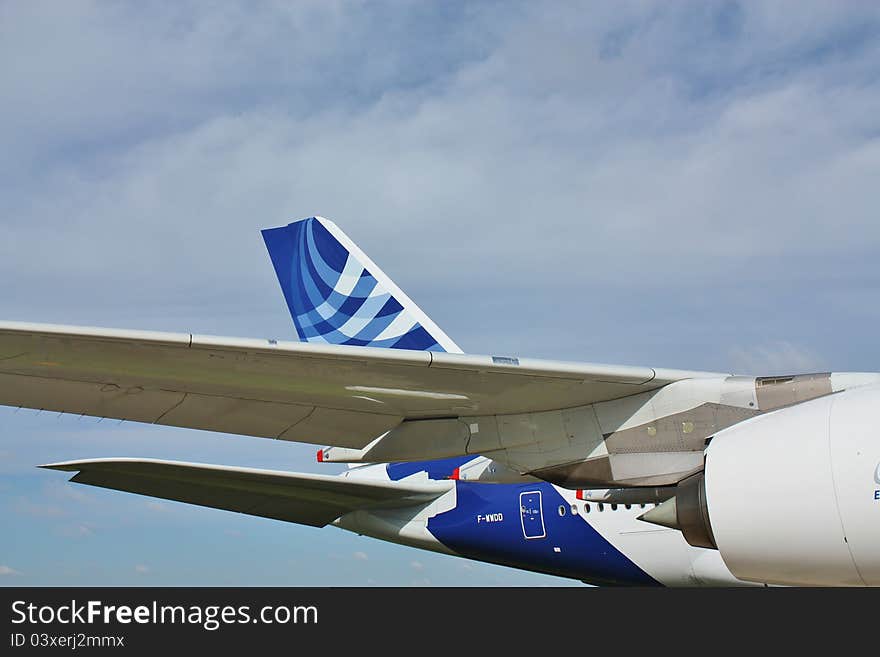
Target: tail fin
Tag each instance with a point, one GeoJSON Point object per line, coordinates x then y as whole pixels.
{"type": "Point", "coordinates": [337, 295]}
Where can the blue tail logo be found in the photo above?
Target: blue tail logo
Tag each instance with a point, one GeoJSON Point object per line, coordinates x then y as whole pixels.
{"type": "Point", "coordinates": [337, 295]}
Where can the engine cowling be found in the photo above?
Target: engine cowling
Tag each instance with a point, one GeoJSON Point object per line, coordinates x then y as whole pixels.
{"type": "Point", "coordinates": [793, 496]}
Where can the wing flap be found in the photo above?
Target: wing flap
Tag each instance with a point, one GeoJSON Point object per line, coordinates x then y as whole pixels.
{"type": "Point", "coordinates": [293, 497]}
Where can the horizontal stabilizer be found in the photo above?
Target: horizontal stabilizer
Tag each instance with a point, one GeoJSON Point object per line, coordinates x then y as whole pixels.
{"type": "Point", "coordinates": [306, 499]}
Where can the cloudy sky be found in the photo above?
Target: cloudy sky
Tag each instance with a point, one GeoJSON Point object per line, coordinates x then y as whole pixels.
{"type": "Point", "coordinates": [689, 185]}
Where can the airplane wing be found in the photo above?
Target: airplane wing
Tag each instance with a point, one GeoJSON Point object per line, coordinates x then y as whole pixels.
{"type": "Point", "coordinates": [307, 499]}
{"type": "Point", "coordinates": [333, 394]}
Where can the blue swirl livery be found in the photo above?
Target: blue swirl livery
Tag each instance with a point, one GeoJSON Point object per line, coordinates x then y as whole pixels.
{"type": "Point", "coordinates": [337, 295]}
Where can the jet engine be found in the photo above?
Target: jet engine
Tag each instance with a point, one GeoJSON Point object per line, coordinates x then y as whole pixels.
{"type": "Point", "coordinates": [790, 497]}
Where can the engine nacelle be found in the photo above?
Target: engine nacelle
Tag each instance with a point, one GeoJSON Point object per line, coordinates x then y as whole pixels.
{"type": "Point", "coordinates": [793, 496]}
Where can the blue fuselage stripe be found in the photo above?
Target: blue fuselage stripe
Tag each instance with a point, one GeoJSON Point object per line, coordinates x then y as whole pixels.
{"type": "Point", "coordinates": [498, 523]}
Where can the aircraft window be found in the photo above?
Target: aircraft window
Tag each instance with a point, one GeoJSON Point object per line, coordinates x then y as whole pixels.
{"type": "Point", "coordinates": [562, 509]}
{"type": "Point", "coordinates": [586, 508]}
{"type": "Point", "coordinates": [641, 506]}
{"type": "Point", "coordinates": [601, 506]}
{"type": "Point", "coordinates": [628, 506]}
{"type": "Point", "coordinates": [614, 507]}
{"type": "Point", "coordinates": [574, 509]}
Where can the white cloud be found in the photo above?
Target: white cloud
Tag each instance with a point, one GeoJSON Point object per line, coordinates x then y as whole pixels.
{"type": "Point", "coordinates": [778, 358]}
{"type": "Point", "coordinates": [6, 570]}
{"type": "Point", "coordinates": [417, 565]}
{"type": "Point", "coordinates": [561, 162]}
{"type": "Point", "coordinates": [28, 507]}
{"type": "Point", "coordinates": [360, 556]}
{"type": "Point", "coordinates": [65, 492]}
{"type": "Point", "coordinates": [141, 569]}
{"type": "Point", "coordinates": [78, 531]}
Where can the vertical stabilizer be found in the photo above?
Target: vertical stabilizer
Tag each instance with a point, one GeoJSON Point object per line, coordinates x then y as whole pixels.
{"type": "Point", "coordinates": [337, 295]}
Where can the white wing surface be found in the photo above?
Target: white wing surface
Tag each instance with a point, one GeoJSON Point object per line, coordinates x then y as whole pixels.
{"type": "Point", "coordinates": [337, 395]}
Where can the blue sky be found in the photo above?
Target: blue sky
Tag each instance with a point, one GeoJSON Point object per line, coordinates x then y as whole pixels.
{"type": "Point", "coordinates": [687, 185]}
